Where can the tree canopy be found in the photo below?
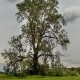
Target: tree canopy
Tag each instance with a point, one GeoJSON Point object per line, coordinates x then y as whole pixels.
{"type": "Point", "coordinates": [41, 33]}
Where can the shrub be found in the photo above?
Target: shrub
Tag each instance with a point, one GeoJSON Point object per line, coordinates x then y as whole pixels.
{"type": "Point", "coordinates": [59, 73]}
{"type": "Point", "coordinates": [71, 73]}
{"type": "Point", "coordinates": [51, 72]}
{"type": "Point", "coordinates": [23, 74]}
{"type": "Point", "coordinates": [74, 73]}
{"type": "Point", "coordinates": [43, 70]}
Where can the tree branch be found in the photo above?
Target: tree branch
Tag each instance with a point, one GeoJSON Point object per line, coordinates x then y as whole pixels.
{"type": "Point", "coordinates": [48, 37]}
{"type": "Point", "coordinates": [45, 55]}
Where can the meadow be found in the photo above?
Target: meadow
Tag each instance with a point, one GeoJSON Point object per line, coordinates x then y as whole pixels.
{"type": "Point", "coordinates": [4, 77]}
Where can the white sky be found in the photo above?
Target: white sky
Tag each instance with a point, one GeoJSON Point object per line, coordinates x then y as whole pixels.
{"type": "Point", "coordinates": [70, 8]}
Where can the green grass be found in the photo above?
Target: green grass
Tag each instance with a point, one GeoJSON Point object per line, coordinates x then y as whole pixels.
{"type": "Point", "coordinates": [4, 77]}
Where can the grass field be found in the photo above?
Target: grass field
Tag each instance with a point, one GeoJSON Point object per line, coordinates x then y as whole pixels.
{"type": "Point", "coordinates": [4, 77]}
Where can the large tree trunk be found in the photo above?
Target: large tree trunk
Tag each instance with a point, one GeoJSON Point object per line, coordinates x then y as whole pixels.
{"type": "Point", "coordinates": [35, 62]}
{"type": "Point", "coordinates": [35, 57]}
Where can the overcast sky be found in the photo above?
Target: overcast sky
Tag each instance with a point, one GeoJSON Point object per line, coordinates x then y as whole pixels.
{"type": "Point", "coordinates": [71, 11]}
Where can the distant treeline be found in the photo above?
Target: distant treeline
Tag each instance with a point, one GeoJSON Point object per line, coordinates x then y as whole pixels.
{"type": "Point", "coordinates": [2, 72]}
{"type": "Point", "coordinates": [77, 69]}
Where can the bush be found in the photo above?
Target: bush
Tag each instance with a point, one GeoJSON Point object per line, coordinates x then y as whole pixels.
{"type": "Point", "coordinates": [59, 72]}
{"type": "Point", "coordinates": [43, 70]}
{"type": "Point", "coordinates": [71, 73]}
{"type": "Point", "coordinates": [67, 72]}
{"type": "Point", "coordinates": [22, 73]}
{"type": "Point", "coordinates": [74, 73]}
{"type": "Point", "coordinates": [51, 73]}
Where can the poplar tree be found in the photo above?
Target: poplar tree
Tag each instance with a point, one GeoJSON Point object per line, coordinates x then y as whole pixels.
{"type": "Point", "coordinates": [42, 30]}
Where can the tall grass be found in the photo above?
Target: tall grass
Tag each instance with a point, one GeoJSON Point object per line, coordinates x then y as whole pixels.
{"type": "Point", "coordinates": [5, 77]}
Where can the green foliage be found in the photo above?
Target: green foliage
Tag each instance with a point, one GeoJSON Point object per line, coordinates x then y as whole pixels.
{"type": "Point", "coordinates": [43, 70]}
{"type": "Point", "coordinates": [74, 73]}
{"type": "Point", "coordinates": [67, 72]}
{"type": "Point", "coordinates": [78, 70]}
{"type": "Point", "coordinates": [22, 74]}
{"type": "Point", "coordinates": [41, 33]}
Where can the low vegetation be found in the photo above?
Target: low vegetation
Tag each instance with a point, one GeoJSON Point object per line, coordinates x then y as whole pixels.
{"type": "Point", "coordinates": [4, 77]}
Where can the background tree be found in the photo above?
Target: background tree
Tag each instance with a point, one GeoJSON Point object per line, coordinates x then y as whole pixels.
{"type": "Point", "coordinates": [13, 61]}
{"type": "Point", "coordinates": [42, 31]}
